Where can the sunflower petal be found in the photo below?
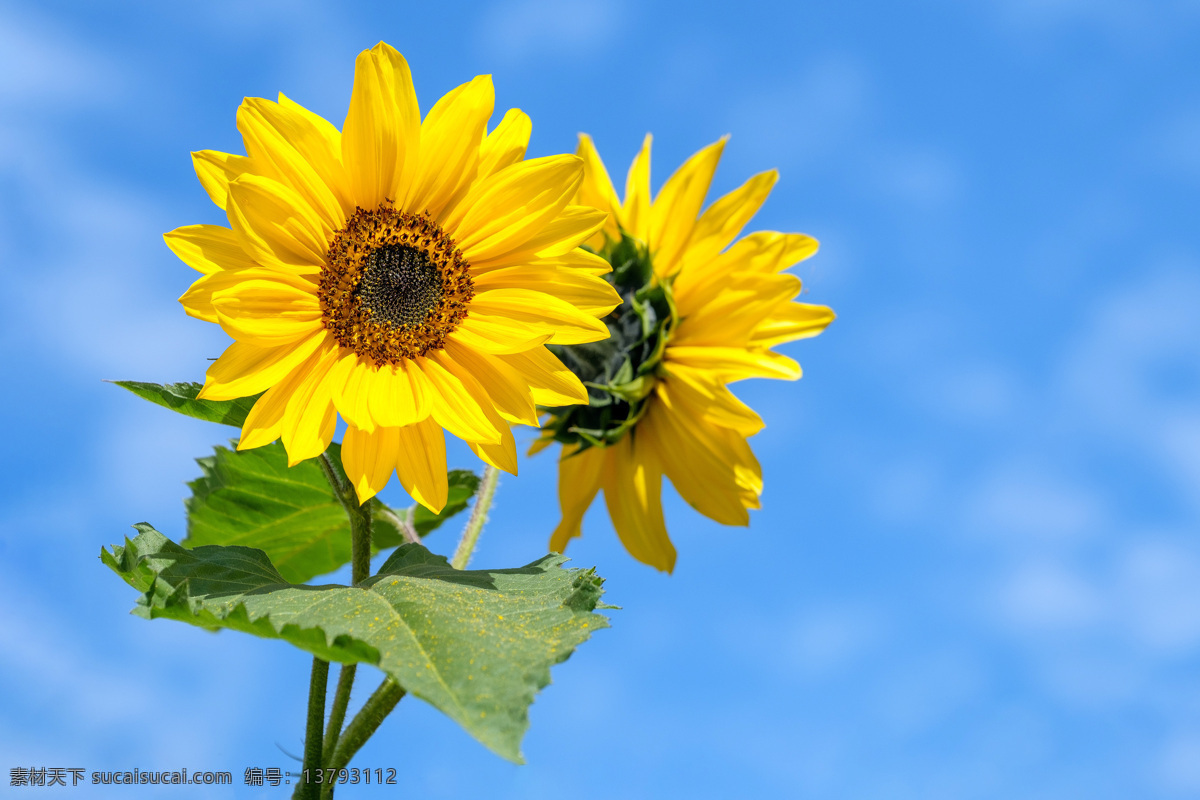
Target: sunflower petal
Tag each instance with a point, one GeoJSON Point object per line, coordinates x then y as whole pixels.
{"type": "Point", "coordinates": [512, 206]}
{"type": "Point", "coordinates": [724, 219]}
{"type": "Point", "coordinates": [597, 191]}
{"type": "Point", "coordinates": [735, 363]}
{"type": "Point", "coordinates": [793, 321]}
{"type": "Point", "coordinates": [633, 493]}
{"type": "Point", "coordinates": [275, 225]}
{"type": "Point", "coordinates": [673, 215]}
{"type": "Point", "coordinates": [454, 405]}
{"type": "Point", "coordinates": [591, 294]}
{"type": "Point", "coordinates": [506, 144]}
{"type": "Point", "coordinates": [369, 458]}
{"type": "Point", "coordinates": [208, 248]}
{"type": "Point", "coordinates": [216, 171]}
{"type": "Point", "coordinates": [298, 155]}
{"type": "Point", "coordinates": [381, 139]}
{"type": "Point", "coordinates": [541, 312]}
{"type": "Point", "coordinates": [246, 369]}
{"type": "Point", "coordinates": [305, 420]}
{"type": "Point", "coordinates": [450, 138]}
{"type": "Point", "coordinates": [421, 464]}
{"type": "Point", "coordinates": [267, 308]}
{"type": "Point", "coordinates": [635, 212]}
{"type": "Point", "coordinates": [550, 382]}
{"type": "Point", "coordinates": [578, 481]}
{"type": "Point", "coordinates": [506, 388]}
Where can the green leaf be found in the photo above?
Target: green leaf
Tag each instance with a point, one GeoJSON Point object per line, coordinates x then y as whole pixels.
{"type": "Point", "coordinates": [181, 397]}
{"type": "Point", "coordinates": [254, 498]}
{"type": "Point", "coordinates": [477, 644]}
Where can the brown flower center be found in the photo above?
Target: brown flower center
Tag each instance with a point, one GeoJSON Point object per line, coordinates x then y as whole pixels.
{"type": "Point", "coordinates": [395, 285]}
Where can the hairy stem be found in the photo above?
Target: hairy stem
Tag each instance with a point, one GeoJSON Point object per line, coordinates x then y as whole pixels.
{"type": "Point", "coordinates": [312, 734]}
{"type": "Point", "coordinates": [337, 714]}
{"type": "Point", "coordinates": [365, 723]}
{"type": "Point", "coordinates": [483, 502]}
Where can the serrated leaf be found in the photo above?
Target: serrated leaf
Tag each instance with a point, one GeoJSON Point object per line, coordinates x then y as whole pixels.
{"type": "Point", "coordinates": [253, 498]}
{"type": "Point", "coordinates": [181, 397]}
{"type": "Point", "coordinates": [476, 644]}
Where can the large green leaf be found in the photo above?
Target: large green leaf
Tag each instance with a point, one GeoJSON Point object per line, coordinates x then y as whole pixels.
{"type": "Point", "coordinates": [477, 644]}
{"type": "Point", "coordinates": [254, 498]}
{"type": "Point", "coordinates": [181, 397]}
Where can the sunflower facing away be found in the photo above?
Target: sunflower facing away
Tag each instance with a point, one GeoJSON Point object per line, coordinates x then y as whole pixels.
{"type": "Point", "coordinates": [404, 274]}
{"type": "Point", "coordinates": [696, 314]}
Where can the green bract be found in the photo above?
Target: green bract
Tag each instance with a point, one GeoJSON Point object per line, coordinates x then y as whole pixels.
{"type": "Point", "coordinates": [620, 371]}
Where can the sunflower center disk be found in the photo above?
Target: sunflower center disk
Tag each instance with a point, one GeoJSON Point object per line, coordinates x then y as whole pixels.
{"type": "Point", "coordinates": [400, 285]}
{"type": "Point", "coordinates": [394, 286]}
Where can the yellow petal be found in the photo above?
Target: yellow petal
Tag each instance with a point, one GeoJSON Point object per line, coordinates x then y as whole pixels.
{"type": "Point", "coordinates": [577, 259]}
{"type": "Point", "coordinates": [450, 138]}
{"type": "Point", "coordinates": [635, 212]}
{"type": "Point", "coordinates": [501, 456]}
{"type": "Point", "coordinates": [395, 399]}
{"type": "Point", "coordinates": [298, 155]}
{"type": "Point", "coordinates": [198, 300]}
{"type": "Point", "coordinates": [208, 248]}
{"type": "Point", "coordinates": [597, 191]}
{"type": "Point", "coordinates": [246, 369]}
{"type": "Point", "coordinates": [725, 218]}
{"type": "Point", "coordinates": [506, 210]}
{"type": "Point", "coordinates": [506, 144]}
{"type": "Point", "coordinates": [268, 308]}
{"type": "Point", "coordinates": [275, 225]}
{"type": "Point", "coordinates": [732, 316]}
{"type": "Point", "coordinates": [550, 382]}
{"type": "Point", "coordinates": [351, 379]}
{"type": "Point", "coordinates": [305, 421]}
{"type": "Point", "coordinates": [264, 423]}
{"type": "Point", "coordinates": [702, 477]}
{"type": "Point", "coordinates": [727, 446]}
{"type": "Point", "coordinates": [541, 312]}
{"type": "Point", "coordinates": [674, 212]}
{"type": "Point", "coordinates": [711, 399]}
{"type": "Point", "coordinates": [735, 363]}
{"type": "Point", "coordinates": [454, 406]}
{"type": "Point", "coordinates": [558, 239]}
{"type": "Point", "coordinates": [216, 170]}
{"type": "Point", "coordinates": [421, 464]}
{"type": "Point", "coordinates": [793, 321]}
{"type": "Point", "coordinates": [499, 335]}
{"type": "Point", "coordinates": [578, 482]}
{"type": "Point", "coordinates": [633, 493]}
{"type": "Point", "coordinates": [382, 136]}
{"type": "Point", "coordinates": [590, 294]}
{"type": "Point", "coordinates": [505, 387]}
{"type": "Point", "coordinates": [369, 458]}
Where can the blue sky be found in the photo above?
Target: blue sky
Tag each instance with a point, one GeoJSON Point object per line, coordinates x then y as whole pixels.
{"type": "Point", "coordinates": [976, 573]}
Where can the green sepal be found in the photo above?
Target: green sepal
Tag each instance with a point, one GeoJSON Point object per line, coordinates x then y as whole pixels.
{"type": "Point", "coordinates": [476, 644]}
{"type": "Point", "coordinates": [181, 397]}
{"type": "Point", "coordinates": [619, 372]}
{"type": "Point", "coordinates": [253, 498]}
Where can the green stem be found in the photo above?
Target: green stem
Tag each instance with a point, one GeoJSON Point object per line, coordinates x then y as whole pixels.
{"type": "Point", "coordinates": [365, 723]}
{"type": "Point", "coordinates": [360, 522]}
{"type": "Point", "coordinates": [337, 714]}
{"type": "Point", "coordinates": [360, 569]}
{"type": "Point", "coordinates": [312, 735]}
{"type": "Point", "coordinates": [470, 535]}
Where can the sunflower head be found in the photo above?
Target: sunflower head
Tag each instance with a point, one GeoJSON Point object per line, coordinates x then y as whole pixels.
{"type": "Point", "coordinates": [698, 311]}
{"type": "Point", "coordinates": [403, 273]}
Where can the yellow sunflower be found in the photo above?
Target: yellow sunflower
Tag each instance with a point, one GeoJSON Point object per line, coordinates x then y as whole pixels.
{"type": "Point", "coordinates": [404, 274]}
{"type": "Point", "coordinates": [697, 314]}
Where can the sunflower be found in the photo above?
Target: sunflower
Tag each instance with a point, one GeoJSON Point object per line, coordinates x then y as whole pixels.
{"type": "Point", "coordinates": [697, 313]}
{"type": "Point", "coordinates": [406, 274]}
